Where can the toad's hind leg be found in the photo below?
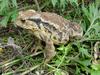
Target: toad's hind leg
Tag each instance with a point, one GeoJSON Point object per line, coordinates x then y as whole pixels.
{"type": "Point", "coordinates": [49, 52]}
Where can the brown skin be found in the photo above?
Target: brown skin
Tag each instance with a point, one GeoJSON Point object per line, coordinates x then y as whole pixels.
{"type": "Point", "coordinates": [50, 28]}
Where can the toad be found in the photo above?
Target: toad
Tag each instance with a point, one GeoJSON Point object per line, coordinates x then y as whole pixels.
{"type": "Point", "coordinates": [49, 27]}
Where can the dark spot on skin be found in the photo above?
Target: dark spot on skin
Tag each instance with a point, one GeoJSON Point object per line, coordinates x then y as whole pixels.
{"type": "Point", "coordinates": [50, 27]}
{"type": "Point", "coordinates": [23, 21]}
{"type": "Point", "coordinates": [37, 21]}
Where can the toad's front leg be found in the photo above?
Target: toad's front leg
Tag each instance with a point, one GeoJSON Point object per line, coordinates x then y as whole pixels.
{"type": "Point", "coordinates": [49, 52]}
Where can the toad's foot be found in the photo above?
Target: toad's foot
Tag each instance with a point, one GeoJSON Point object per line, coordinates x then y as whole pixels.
{"type": "Point", "coordinates": [37, 45]}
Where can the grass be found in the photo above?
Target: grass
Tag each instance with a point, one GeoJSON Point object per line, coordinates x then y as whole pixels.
{"type": "Point", "coordinates": [75, 58]}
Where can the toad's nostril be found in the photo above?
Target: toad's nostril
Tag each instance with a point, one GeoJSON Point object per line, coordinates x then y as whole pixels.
{"type": "Point", "coordinates": [23, 21]}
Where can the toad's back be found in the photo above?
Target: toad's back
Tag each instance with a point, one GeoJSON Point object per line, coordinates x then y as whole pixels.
{"type": "Point", "coordinates": [59, 27]}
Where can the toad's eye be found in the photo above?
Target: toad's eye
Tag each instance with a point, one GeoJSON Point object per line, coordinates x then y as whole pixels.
{"type": "Point", "coordinates": [23, 21]}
